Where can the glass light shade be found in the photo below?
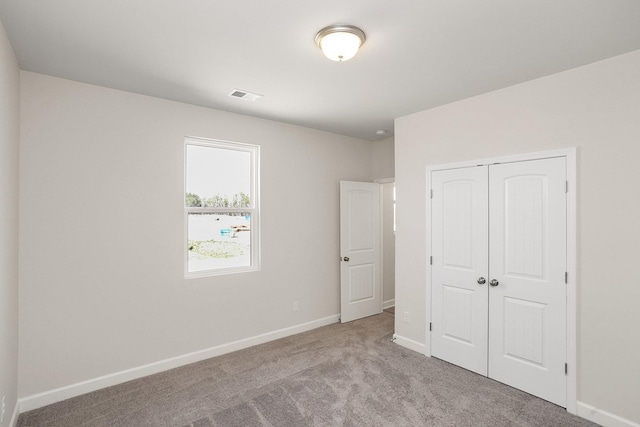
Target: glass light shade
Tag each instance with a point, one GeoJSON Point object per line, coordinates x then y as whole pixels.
{"type": "Point", "coordinates": [340, 46]}
{"type": "Point", "coordinates": [340, 42]}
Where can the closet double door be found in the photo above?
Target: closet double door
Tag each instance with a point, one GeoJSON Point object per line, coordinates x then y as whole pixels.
{"type": "Point", "coordinates": [499, 248]}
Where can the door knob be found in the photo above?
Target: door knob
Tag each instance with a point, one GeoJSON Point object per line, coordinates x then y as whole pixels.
{"type": "Point", "coordinates": [494, 282]}
{"type": "Point", "coordinates": [346, 259]}
{"type": "Point", "coordinates": [482, 280]}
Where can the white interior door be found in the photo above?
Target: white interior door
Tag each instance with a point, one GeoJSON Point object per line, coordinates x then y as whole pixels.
{"type": "Point", "coordinates": [459, 267]}
{"type": "Point", "coordinates": [528, 259]}
{"type": "Point", "coordinates": [360, 250]}
{"type": "Point", "coordinates": [505, 223]}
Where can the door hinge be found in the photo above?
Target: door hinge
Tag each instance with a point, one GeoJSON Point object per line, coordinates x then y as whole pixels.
{"type": "Point", "coordinates": [566, 187]}
{"type": "Point", "coordinates": [566, 277]}
{"type": "Point", "coordinates": [566, 369]}
{"type": "Point", "coordinates": [431, 194]}
{"type": "Point", "coordinates": [431, 260]}
{"type": "Point", "coordinates": [429, 326]}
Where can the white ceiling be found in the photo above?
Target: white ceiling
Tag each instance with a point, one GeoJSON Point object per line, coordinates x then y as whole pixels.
{"type": "Point", "coordinates": [419, 53]}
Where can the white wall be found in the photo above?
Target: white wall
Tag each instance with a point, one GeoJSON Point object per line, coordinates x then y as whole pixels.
{"type": "Point", "coordinates": [389, 246]}
{"type": "Point", "coordinates": [382, 167]}
{"type": "Point", "coordinates": [382, 158]}
{"type": "Point", "coordinates": [595, 108]}
{"type": "Point", "coordinates": [9, 142]}
{"type": "Point", "coordinates": [102, 287]}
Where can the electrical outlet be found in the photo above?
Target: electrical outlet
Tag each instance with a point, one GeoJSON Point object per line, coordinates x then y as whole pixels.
{"type": "Point", "coordinates": [296, 306]}
{"type": "Point", "coordinates": [407, 317]}
{"type": "Point", "coordinates": [2, 409]}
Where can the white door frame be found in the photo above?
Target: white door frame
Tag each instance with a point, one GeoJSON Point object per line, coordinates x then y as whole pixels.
{"type": "Point", "coordinates": [570, 155]}
{"type": "Point", "coordinates": [382, 181]}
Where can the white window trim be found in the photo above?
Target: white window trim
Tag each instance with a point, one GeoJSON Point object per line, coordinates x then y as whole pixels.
{"type": "Point", "coordinates": [254, 209]}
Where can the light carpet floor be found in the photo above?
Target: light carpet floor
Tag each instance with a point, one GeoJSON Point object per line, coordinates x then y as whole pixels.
{"type": "Point", "coordinates": [338, 375]}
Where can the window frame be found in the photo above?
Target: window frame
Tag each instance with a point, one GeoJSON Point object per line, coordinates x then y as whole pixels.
{"type": "Point", "coordinates": [253, 209]}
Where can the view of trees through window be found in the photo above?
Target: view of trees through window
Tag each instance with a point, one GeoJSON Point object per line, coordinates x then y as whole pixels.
{"type": "Point", "coordinates": [218, 205]}
{"type": "Point", "coordinates": [240, 200]}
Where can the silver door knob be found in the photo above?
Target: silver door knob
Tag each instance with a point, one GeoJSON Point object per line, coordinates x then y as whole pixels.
{"type": "Point", "coordinates": [482, 280]}
{"type": "Point", "coordinates": [346, 259]}
{"type": "Point", "coordinates": [494, 282]}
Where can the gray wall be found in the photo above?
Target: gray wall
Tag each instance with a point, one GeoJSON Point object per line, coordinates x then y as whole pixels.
{"type": "Point", "coordinates": [595, 108]}
{"type": "Point", "coordinates": [102, 287]}
{"type": "Point", "coordinates": [9, 142]}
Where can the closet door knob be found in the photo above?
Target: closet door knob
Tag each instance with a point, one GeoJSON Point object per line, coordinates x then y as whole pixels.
{"type": "Point", "coordinates": [494, 282]}
{"type": "Point", "coordinates": [482, 280]}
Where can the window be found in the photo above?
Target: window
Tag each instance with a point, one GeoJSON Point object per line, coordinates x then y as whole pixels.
{"type": "Point", "coordinates": [221, 207]}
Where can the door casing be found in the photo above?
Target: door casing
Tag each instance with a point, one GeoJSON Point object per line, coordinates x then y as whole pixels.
{"type": "Point", "coordinates": [570, 155]}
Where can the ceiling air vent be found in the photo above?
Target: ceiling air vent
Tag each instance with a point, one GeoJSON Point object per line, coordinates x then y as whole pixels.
{"type": "Point", "coordinates": [243, 94]}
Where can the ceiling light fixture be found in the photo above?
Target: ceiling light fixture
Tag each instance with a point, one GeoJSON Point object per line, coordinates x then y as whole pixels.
{"type": "Point", "coordinates": [340, 42]}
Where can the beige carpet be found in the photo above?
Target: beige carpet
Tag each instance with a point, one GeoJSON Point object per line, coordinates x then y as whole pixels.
{"type": "Point", "coordinates": [339, 375]}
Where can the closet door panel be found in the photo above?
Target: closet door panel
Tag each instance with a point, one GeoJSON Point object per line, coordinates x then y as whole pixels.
{"type": "Point", "coordinates": [527, 259]}
{"type": "Point", "coordinates": [459, 250]}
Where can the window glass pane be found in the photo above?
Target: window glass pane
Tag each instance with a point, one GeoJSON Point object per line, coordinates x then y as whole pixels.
{"type": "Point", "coordinates": [217, 177]}
{"type": "Point", "coordinates": [218, 240]}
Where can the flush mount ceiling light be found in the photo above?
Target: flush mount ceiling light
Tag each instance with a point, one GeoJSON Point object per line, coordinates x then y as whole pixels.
{"type": "Point", "coordinates": [340, 42]}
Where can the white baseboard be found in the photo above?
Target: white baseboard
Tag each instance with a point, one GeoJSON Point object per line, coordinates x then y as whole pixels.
{"type": "Point", "coordinates": [410, 344]}
{"type": "Point", "coordinates": [603, 418]}
{"type": "Point", "coordinates": [388, 304]}
{"type": "Point", "coordinates": [16, 414]}
{"type": "Point", "coordinates": [48, 397]}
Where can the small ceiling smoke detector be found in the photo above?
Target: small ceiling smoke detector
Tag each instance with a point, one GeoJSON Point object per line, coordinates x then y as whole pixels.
{"type": "Point", "coordinates": [243, 94]}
